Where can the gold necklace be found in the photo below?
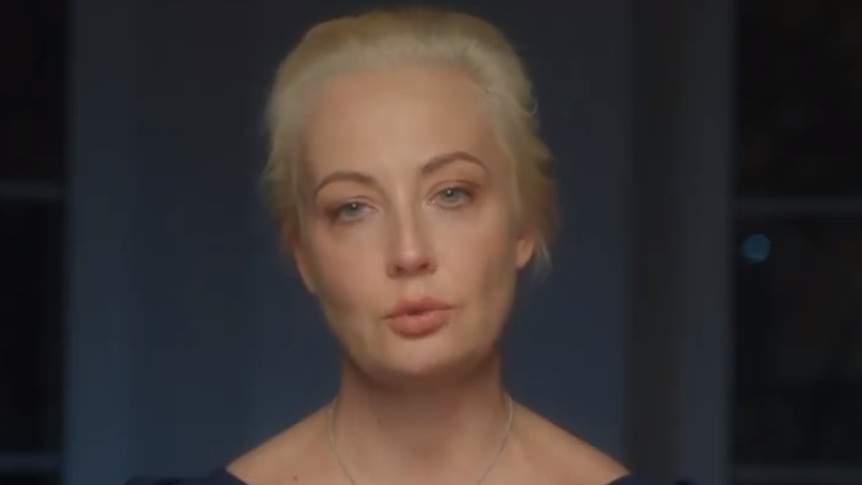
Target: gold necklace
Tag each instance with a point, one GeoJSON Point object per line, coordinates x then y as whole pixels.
{"type": "Point", "coordinates": [510, 405]}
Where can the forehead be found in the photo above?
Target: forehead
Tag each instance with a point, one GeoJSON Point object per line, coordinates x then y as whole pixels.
{"type": "Point", "coordinates": [396, 115]}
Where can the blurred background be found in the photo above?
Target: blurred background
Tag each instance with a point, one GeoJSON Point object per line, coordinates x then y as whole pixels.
{"type": "Point", "coordinates": [703, 318]}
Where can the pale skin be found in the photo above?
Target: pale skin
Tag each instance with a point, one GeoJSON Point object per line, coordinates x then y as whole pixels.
{"type": "Point", "coordinates": [410, 195]}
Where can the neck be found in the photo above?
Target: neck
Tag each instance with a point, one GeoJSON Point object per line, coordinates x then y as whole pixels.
{"type": "Point", "coordinates": [445, 433]}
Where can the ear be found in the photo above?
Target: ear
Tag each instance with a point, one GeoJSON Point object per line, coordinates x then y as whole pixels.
{"type": "Point", "coordinates": [525, 246]}
{"type": "Point", "coordinates": [295, 246]}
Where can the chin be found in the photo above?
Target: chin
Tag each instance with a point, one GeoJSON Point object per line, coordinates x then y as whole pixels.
{"type": "Point", "coordinates": [423, 364]}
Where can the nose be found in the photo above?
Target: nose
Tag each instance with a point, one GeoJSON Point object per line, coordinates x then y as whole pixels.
{"type": "Point", "coordinates": [411, 253]}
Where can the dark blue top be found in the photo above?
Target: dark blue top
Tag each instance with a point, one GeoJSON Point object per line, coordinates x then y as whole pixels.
{"type": "Point", "coordinates": [223, 477]}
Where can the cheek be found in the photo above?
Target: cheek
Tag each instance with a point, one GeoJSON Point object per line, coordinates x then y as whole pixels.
{"type": "Point", "coordinates": [343, 274]}
{"type": "Point", "coordinates": [480, 251]}
{"type": "Point", "coordinates": [484, 235]}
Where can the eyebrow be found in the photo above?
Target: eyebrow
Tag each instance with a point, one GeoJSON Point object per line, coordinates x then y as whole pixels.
{"type": "Point", "coordinates": [434, 164]}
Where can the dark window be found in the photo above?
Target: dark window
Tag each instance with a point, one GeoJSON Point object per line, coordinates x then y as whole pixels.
{"type": "Point", "coordinates": [33, 52]}
{"type": "Point", "coordinates": [32, 87]}
{"type": "Point", "coordinates": [799, 341]}
{"type": "Point", "coordinates": [800, 97]}
{"type": "Point", "coordinates": [31, 307]}
{"type": "Point", "coordinates": [797, 382]}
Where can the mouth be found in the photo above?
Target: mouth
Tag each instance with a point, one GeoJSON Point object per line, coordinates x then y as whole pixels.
{"type": "Point", "coordinates": [419, 318]}
{"type": "Point", "coordinates": [416, 307]}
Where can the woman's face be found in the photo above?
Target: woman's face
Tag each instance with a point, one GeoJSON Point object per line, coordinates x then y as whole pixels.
{"type": "Point", "coordinates": [410, 239]}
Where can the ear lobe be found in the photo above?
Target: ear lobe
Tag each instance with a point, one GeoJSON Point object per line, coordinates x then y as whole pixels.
{"type": "Point", "coordinates": [525, 246]}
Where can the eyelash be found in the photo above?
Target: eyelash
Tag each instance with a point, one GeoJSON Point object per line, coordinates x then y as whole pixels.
{"type": "Point", "coordinates": [338, 213]}
{"type": "Point", "coordinates": [462, 191]}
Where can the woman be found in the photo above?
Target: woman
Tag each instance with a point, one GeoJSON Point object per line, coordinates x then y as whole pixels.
{"type": "Point", "coordinates": [412, 189]}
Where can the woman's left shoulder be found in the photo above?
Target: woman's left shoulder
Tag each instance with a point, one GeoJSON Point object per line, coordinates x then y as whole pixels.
{"type": "Point", "coordinates": [567, 457]}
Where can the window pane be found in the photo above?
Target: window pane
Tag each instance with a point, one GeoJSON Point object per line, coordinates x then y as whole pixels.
{"type": "Point", "coordinates": [19, 479]}
{"type": "Point", "coordinates": [799, 97]}
{"type": "Point", "coordinates": [31, 306]}
{"type": "Point", "coordinates": [798, 341]}
{"type": "Point", "coordinates": [33, 51]}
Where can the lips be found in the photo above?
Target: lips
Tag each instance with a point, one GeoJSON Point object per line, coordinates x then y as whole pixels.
{"type": "Point", "coordinates": [417, 306]}
{"type": "Point", "coordinates": [418, 318]}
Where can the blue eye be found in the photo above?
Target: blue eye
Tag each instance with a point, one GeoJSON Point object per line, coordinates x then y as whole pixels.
{"type": "Point", "coordinates": [350, 210]}
{"type": "Point", "coordinates": [452, 197]}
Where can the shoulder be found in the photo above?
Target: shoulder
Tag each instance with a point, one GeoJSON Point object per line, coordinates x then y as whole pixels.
{"type": "Point", "coordinates": [218, 477]}
{"type": "Point", "coordinates": [559, 457]}
{"type": "Point", "coordinates": [556, 456]}
{"type": "Point", "coordinates": [284, 458]}
{"type": "Point", "coordinates": [296, 454]}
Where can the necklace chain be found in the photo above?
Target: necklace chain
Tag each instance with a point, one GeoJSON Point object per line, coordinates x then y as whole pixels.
{"type": "Point", "coordinates": [510, 410]}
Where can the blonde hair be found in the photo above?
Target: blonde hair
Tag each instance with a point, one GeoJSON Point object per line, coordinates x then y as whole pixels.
{"type": "Point", "coordinates": [406, 35]}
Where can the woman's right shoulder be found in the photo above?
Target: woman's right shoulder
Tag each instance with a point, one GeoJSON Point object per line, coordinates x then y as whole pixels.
{"type": "Point", "coordinates": [218, 477]}
{"type": "Point", "coordinates": [290, 453]}
{"type": "Point", "coordinates": [294, 452]}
